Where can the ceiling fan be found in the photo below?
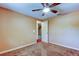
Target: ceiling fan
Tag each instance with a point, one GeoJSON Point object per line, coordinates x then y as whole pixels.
{"type": "Point", "coordinates": [47, 7]}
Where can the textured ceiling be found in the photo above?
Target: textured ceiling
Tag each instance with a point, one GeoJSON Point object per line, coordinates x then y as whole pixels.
{"type": "Point", "coordinates": [26, 9]}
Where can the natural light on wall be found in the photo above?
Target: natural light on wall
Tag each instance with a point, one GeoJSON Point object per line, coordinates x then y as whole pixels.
{"type": "Point", "coordinates": [64, 30]}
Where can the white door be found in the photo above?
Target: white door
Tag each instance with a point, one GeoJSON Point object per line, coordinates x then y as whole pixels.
{"type": "Point", "coordinates": [45, 31]}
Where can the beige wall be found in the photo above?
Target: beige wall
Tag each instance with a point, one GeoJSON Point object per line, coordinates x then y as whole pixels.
{"type": "Point", "coordinates": [64, 30]}
{"type": "Point", "coordinates": [16, 29]}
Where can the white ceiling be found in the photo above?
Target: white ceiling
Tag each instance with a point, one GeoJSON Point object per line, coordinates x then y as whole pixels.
{"type": "Point", "coordinates": [26, 8]}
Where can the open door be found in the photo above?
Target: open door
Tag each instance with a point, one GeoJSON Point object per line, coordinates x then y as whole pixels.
{"type": "Point", "coordinates": [45, 31]}
{"type": "Point", "coordinates": [42, 31]}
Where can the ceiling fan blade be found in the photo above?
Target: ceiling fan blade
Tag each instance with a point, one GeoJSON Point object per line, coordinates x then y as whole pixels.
{"type": "Point", "coordinates": [43, 4]}
{"type": "Point", "coordinates": [54, 11]}
{"type": "Point", "coordinates": [36, 9]}
{"type": "Point", "coordinates": [43, 14]}
{"type": "Point", "coordinates": [54, 4]}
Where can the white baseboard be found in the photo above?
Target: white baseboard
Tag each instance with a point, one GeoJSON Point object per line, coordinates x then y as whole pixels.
{"type": "Point", "coordinates": [16, 48]}
{"type": "Point", "coordinates": [65, 46]}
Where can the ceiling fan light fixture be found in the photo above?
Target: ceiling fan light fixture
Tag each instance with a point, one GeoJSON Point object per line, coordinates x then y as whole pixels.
{"type": "Point", "coordinates": [46, 10]}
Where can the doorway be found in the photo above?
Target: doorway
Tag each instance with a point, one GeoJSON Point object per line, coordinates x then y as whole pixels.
{"type": "Point", "coordinates": [42, 30]}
